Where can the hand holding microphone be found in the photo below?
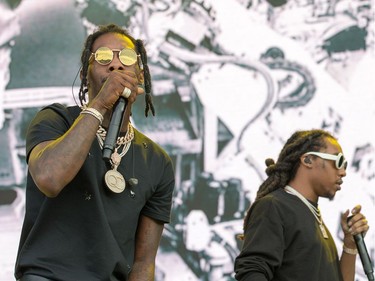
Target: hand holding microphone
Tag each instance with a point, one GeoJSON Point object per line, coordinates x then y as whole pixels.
{"type": "Point", "coordinates": [115, 124]}
{"type": "Point", "coordinates": [361, 247]}
{"type": "Point", "coordinates": [127, 81]}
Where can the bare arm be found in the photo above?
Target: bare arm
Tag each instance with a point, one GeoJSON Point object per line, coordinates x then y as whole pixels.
{"type": "Point", "coordinates": [358, 224]}
{"type": "Point", "coordinates": [53, 164]}
{"type": "Point", "coordinates": [147, 242]}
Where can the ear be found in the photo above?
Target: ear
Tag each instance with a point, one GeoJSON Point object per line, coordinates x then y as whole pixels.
{"type": "Point", "coordinates": [80, 74]}
{"type": "Point", "coordinates": [306, 160]}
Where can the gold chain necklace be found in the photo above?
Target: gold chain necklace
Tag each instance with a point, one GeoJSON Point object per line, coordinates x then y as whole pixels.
{"type": "Point", "coordinates": [102, 133]}
{"type": "Point", "coordinates": [114, 179]}
{"type": "Point", "coordinates": [314, 210]}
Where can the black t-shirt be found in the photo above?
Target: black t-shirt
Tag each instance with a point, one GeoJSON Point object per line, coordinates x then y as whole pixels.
{"type": "Point", "coordinates": [283, 242]}
{"type": "Point", "coordinates": [88, 232]}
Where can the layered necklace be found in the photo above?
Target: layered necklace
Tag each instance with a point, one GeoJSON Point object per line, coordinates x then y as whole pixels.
{"type": "Point", "coordinates": [314, 210]}
{"type": "Point", "coordinates": [113, 179]}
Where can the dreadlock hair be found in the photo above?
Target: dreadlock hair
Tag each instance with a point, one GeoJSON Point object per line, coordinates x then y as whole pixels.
{"type": "Point", "coordinates": [285, 169]}
{"type": "Point", "coordinates": [140, 50]}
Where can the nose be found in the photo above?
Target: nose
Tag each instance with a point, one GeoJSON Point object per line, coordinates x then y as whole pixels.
{"type": "Point", "coordinates": [342, 172]}
{"type": "Point", "coordinates": [115, 64]}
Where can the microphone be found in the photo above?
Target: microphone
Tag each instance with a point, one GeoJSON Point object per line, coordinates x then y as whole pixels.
{"type": "Point", "coordinates": [363, 254]}
{"type": "Point", "coordinates": [133, 181]}
{"type": "Point", "coordinates": [114, 128]}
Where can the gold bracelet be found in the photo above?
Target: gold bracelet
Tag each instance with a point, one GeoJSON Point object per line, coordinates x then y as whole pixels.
{"type": "Point", "coordinates": [93, 112]}
{"type": "Point", "coordinates": [349, 250]}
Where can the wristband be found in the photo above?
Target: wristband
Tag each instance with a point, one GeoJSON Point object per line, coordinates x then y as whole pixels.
{"type": "Point", "coordinates": [93, 112]}
{"type": "Point", "coordinates": [349, 250]}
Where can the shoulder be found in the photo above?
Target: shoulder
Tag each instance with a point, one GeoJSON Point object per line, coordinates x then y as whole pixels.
{"type": "Point", "coordinates": [58, 110]}
{"type": "Point", "coordinates": [57, 107]}
{"type": "Point", "coordinates": [278, 202]}
{"type": "Point", "coordinates": [147, 144]}
{"type": "Point", "coordinates": [55, 115]}
{"type": "Point", "coordinates": [274, 197]}
{"type": "Point", "coordinates": [51, 122]}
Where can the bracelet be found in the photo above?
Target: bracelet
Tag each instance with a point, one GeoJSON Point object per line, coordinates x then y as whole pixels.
{"type": "Point", "coordinates": [349, 250]}
{"type": "Point", "coordinates": [93, 112]}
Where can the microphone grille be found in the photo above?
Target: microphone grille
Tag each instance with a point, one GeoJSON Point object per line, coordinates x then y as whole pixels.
{"type": "Point", "coordinates": [133, 181]}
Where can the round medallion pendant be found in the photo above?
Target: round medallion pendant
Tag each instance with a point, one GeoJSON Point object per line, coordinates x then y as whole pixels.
{"type": "Point", "coordinates": [115, 181]}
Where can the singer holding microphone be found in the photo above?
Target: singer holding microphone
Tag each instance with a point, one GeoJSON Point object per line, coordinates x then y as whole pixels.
{"type": "Point", "coordinates": [285, 238]}
{"type": "Point", "coordinates": [91, 216]}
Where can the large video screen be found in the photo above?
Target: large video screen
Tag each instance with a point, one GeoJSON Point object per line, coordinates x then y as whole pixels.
{"type": "Point", "coordinates": [232, 80]}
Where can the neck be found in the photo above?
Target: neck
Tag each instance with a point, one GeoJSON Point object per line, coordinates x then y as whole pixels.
{"type": "Point", "coordinates": [304, 191]}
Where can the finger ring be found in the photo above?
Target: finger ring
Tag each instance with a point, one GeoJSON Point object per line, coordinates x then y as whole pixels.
{"type": "Point", "coordinates": [126, 92]}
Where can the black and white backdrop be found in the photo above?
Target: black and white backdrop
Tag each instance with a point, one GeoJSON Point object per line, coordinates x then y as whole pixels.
{"type": "Point", "coordinates": [232, 79]}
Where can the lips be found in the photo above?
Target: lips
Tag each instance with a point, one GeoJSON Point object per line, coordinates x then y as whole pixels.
{"type": "Point", "coordinates": [339, 183]}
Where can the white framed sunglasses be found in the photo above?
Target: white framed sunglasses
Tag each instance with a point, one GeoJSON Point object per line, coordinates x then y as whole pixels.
{"type": "Point", "coordinates": [104, 56]}
{"type": "Point", "coordinates": [340, 161]}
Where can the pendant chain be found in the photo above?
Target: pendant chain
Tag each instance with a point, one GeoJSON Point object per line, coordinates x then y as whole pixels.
{"type": "Point", "coordinates": [314, 210]}
{"type": "Point", "coordinates": [124, 140]}
{"type": "Point", "coordinates": [114, 180]}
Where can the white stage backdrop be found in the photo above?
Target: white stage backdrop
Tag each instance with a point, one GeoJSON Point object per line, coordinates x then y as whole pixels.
{"type": "Point", "coordinates": [232, 80]}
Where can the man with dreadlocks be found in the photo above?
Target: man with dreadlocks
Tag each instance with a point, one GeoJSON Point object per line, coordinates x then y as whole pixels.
{"type": "Point", "coordinates": [285, 238]}
{"type": "Point", "coordinates": [87, 218]}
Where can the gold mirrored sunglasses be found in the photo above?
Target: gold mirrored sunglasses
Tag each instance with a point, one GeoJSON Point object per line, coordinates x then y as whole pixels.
{"type": "Point", "coordinates": [104, 56]}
